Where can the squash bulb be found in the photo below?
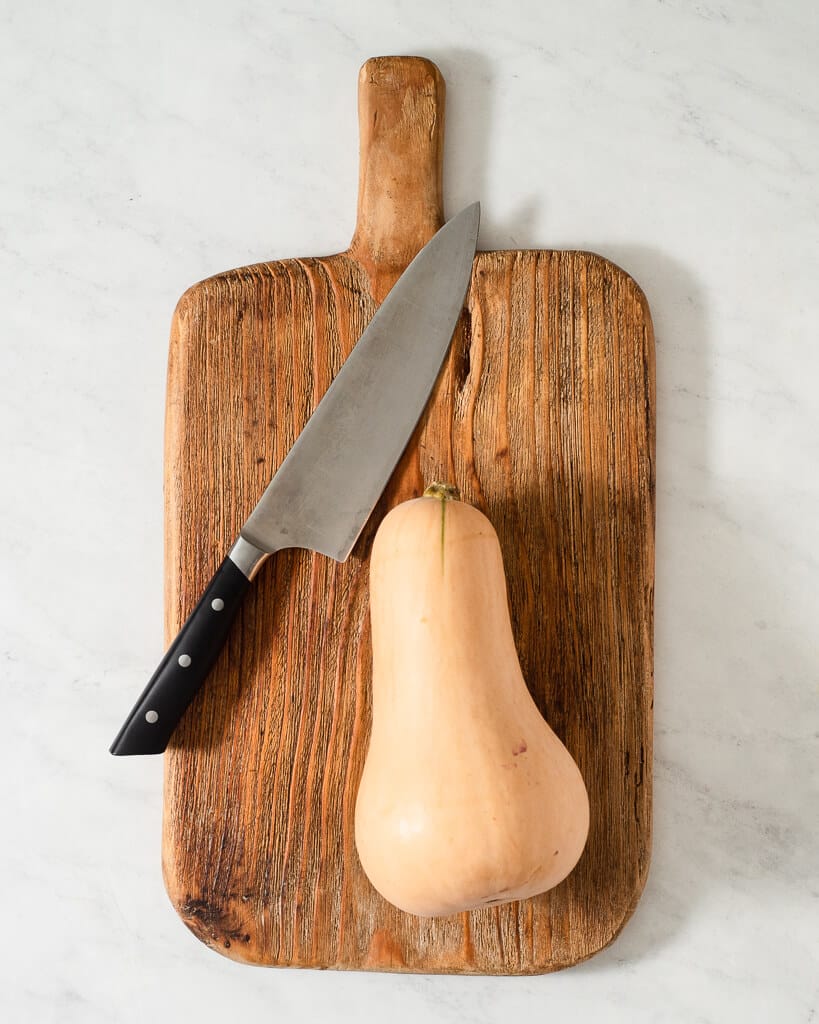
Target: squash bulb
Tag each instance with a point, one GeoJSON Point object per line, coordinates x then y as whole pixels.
{"type": "Point", "coordinates": [467, 799]}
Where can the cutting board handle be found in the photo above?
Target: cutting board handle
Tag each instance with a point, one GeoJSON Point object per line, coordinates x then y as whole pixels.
{"type": "Point", "coordinates": [401, 123]}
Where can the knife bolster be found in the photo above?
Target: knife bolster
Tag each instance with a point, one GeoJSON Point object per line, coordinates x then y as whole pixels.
{"type": "Point", "coordinates": [247, 557]}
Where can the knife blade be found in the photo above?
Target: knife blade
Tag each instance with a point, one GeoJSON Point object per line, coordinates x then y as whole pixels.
{"type": "Point", "coordinates": [331, 479]}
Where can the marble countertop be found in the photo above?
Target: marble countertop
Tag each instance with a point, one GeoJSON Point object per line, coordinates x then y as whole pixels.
{"type": "Point", "coordinates": [146, 146]}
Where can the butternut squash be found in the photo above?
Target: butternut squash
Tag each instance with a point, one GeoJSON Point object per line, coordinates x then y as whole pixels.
{"type": "Point", "coordinates": [467, 799]}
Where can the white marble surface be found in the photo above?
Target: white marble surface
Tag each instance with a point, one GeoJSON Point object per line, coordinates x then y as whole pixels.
{"type": "Point", "coordinates": [147, 145]}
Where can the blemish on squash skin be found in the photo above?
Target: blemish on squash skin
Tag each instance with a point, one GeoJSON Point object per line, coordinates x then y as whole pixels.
{"type": "Point", "coordinates": [521, 748]}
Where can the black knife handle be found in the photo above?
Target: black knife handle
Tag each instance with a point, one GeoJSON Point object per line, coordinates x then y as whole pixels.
{"type": "Point", "coordinates": [185, 666]}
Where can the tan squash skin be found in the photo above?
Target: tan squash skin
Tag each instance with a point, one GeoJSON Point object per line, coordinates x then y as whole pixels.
{"type": "Point", "coordinates": [468, 798]}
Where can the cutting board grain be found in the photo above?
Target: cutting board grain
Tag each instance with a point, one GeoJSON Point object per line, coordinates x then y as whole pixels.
{"type": "Point", "coordinates": [544, 418]}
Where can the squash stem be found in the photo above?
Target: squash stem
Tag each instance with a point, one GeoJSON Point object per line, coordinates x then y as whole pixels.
{"type": "Point", "coordinates": [444, 493]}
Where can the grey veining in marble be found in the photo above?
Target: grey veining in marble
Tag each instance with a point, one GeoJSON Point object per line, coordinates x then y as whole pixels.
{"type": "Point", "coordinates": [145, 146]}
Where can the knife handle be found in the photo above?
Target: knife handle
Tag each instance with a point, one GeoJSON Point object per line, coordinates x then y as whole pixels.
{"type": "Point", "coordinates": [187, 662]}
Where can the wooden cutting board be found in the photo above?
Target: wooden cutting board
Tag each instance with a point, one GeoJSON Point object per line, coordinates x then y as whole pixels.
{"type": "Point", "coordinates": [544, 418]}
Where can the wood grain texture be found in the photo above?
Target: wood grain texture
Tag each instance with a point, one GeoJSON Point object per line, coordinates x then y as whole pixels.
{"type": "Point", "coordinates": [544, 418]}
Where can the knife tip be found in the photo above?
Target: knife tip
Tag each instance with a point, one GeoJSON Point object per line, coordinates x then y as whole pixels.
{"type": "Point", "coordinates": [470, 217]}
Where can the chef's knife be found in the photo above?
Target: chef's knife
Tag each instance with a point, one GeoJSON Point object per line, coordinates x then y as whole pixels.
{"type": "Point", "coordinates": [324, 491]}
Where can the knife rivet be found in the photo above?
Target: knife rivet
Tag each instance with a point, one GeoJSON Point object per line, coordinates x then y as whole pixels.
{"type": "Point", "coordinates": [217, 604]}
{"type": "Point", "coordinates": [151, 717]}
{"type": "Point", "coordinates": [184, 660]}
